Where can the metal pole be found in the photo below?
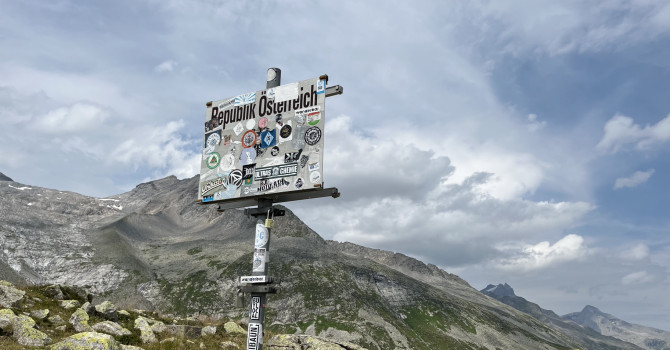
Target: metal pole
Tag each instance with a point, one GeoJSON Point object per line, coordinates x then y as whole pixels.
{"type": "Point", "coordinates": [261, 254]}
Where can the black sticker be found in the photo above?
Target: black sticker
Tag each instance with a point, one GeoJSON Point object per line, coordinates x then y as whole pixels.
{"type": "Point", "coordinates": [248, 171]}
{"type": "Point", "coordinates": [275, 151]}
{"type": "Point", "coordinates": [292, 156]}
{"type": "Point", "coordinates": [313, 135]}
{"type": "Point", "coordinates": [235, 177]}
{"type": "Point", "coordinates": [303, 160]}
{"type": "Point", "coordinates": [285, 131]}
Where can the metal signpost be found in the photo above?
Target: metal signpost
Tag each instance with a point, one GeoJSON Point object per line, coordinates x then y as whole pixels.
{"type": "Point", "coordinates": [262, 148]}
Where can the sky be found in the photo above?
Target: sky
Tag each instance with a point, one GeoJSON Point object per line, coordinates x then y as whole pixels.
{"type": "Point", "coordinates": [504, 141]}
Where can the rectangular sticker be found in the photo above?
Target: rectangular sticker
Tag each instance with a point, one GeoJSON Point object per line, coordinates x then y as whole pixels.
{"type": "Point", "coordinates": [255, 312]}
{"type": "Point", "coordinates": [273, 172]}
{"type": "Point", "coordinates": [255, 336]}
{"type": "Point", "coordinates": [286, 92]}
{"type": "Point", "coordinates": [253, 279]}
{"type": "Point", "coordinates": [260, 258]}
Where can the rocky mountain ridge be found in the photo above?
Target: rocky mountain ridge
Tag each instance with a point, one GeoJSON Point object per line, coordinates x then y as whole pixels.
{"type": "Point", "coordinates": [155, 248]}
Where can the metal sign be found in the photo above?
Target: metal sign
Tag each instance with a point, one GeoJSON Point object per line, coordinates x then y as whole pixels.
{"type": "Point", "coordinates": [264, 143]}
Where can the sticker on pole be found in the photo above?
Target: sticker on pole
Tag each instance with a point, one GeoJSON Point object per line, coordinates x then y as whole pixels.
{"type": "Point", "coordinates": [255, 312]}
{"type": "Point", "coordinates": [260, 258]}
{"type": "Point", "coordinates": [262, 236]}
{"type": "Point", "coordinates": [255, 336]}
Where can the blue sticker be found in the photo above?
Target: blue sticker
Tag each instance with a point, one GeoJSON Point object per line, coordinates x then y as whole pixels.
{"type": "Point", "coordinates": [268, 138]}
{"type": "Point", "coordinates": [248, 156]}
{"type": "Point", "coordinates": [321, 87]}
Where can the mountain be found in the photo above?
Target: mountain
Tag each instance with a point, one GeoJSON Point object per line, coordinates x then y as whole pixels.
{"type": "Point", "coordinates": [606, 324]}
{"type": "Point", "coordinates": [155, 248]}
{"type": "Point", "coordinates": [4, 177]}
{"type": "Point", "coordinates": [584, 337]}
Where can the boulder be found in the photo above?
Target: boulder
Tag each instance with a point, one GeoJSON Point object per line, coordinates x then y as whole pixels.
{"type": "Point", "coordinates": [40, 314]}
{"type": "Point", "coordinates": [183, 331]}
{"type": "Point", "coordinates": [124, 313]}
{"type": "Point", "coordinates": [146, 334]}
{"type": "Point", "coordinates": [54, 292]}
{"type": "Point", "coordinates": [88, 307]}
{"type": "Point", "coordinates": [233, 328]}
{"type": "Point", "coordinates": [158, 327]}
{"type": "Point", "coordinates": [79, 320]}
{"type": "Point", "coordinates": [81, 292]}
{"type": "Point", "coordinates": [88, 340]}
{"type": "Point", "coordinates": [130, 347]}
{"type": "Point", "coordinates": [208, 330]}
{"type": "Point", "coordinates": [10, 296]}
{"type": "Point", "coordinates": [55, 319]}
{"type": "Point", "coordinates": [69, 304]}
{"type": "Point", "coordinates": [297, 342]}
{"type": "Point", "coordinates": [228, 345]}
{"type": "Point", "coordinates": [25, 334]}
{"type": "Point", "coordinates": [110, 327]}
{"type": "Point", "coordinates": [7, 317]}
{"type": "Point", "coordinates": [107, 310]}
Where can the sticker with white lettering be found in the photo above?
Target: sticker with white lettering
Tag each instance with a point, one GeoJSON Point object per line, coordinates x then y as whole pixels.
{"type": "Point", "coordinates": [255, 312]}
{"type": "Point", "coordinates": [254, 336]}
{"type": "Point", "coordinates": [273, 172]}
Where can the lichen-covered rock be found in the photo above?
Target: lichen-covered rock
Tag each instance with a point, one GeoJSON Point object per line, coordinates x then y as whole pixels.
{"type": "Point", "coordinates": [7, 317]}
{"type": "Point", "coordinates": [25, 334]}
{"type": "Point", "coordinates": [130, 347]}
{"type": "Point", "coordinates": [54, 292]}
{"type": "Point", "coordinates": [88, 307]}
{"type": "Point", "coordinates": [146, 334]}
{"type": "Point", "coordinates": [79, 320]}
{"type": "Point", "coordinates": [158, 327]}
{"type": "Point", "coordinates": [107, 310]}
{"type": "Point", "coordinates": [110, 327]}
{"type": "Point", "coordinates": [233, 328]}
{"type": "Point", "coordinates": [124, 313]}
{"type": "Point", "coordinates": [69, 304]}
{"type": "Point", "coordinates": [86, 341]}
{"type": "Point", "coordinates": [208, 330]}
{"type": "Point", "coordinates": [228, 345]}
{"type": "Point", "coordinates": [298, 342]}
{"type": "Point", "coordinates": [55, 319]}
{"type": "Point", "coordinates": [40, 314]}
{"type": "Point", "coordinates": [10, 296]}
{"type": "Point", "coordinates": [184, 331]}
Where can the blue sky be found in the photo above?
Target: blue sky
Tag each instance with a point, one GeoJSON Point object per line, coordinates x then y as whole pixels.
{"type": "Point", "coordinates": [507, 141]}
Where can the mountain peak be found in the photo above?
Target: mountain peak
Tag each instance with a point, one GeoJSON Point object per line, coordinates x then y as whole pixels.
{"type": "Point", "coordinates": [591, 310]}
{"type": "Point", "coordinates": [4, 177]}
{"type": "Point", "coordinates": [501, 290]}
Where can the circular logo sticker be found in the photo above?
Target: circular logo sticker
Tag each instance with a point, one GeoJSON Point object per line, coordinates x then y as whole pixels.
{"type": "Point", "coordinates": [261, 236]}
{"type": "Point", "coordinates": [275, 151]}
{"type": "Point", "coordinates": [299, 182]}
{"type": "Point", "coordinates": [227, 162]}
{"type": "Point", "coordinates": [213, 139]}
{"type": "Point", "coordinates": [249, 138]}
{"type": "Point", "coordinates": [213, 160]}
{"type": "Point", "coordinates": [313, 135]}
{"type": "Point", "coordinates": [263, 123]}
{"type": "Point", "coordinates": [250, 124]}
{"type": "Point", "coordinates": [235, 177]}
{"type": "Point", "coordinates": [315, 177]}
{"type": "Point", "coordinates": [285, 131]}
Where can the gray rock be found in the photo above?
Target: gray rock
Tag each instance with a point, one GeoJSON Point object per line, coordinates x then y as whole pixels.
{"type": "Point", "coordinates": [107, 310]}
{"type": "Point", "coordinates": [208, 330]}
{"type": "Point", "coordinates": [233, 328]}
{"type": "Point", "coordinates": [61, 328]}
{"type": "Point", "coordinates": [158, 327]}
{"type": "Point", "coordinates": [183, 331]}
{"type": "Point", "coordinates": [55, 319]}
{"type": "Point", "coordinates": [130, 347]}
{"type": "Point", "coordinates": [146, 334]}
{"type": "Point", "coordinates": [4, 177]}
{"type": "Point", "coordinates": [79, 320]}
{"type": "Point", "coordinates": [228, 345]}
{"type": "Point", "coordinates": [25, 334]}
{"type": "Point", "coordinates": [10, 296]}
{"type": "Point", "coordinates": [40, 314]}
{"type": "Point", "coordinates": [298, 342]}
{"type": "Point", "coordinates": [88, 340]}
{"type": "Point", "coordinates": [88, 307]}
{"type": "Point", "coordinates": [124, 313]}
{"type": "Point", "coordinates": [110, 327]}
{"type": "Point", "coordinates": [69, 304]}
{"type": "Point", "coordinates": [79, 291]}
{"type": "Point", "coordinates": [54, 292]}
{"type": "Point", "coordinates": [7, 318]}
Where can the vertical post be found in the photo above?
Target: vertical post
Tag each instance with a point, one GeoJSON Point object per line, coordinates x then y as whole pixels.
{"type": "Point", "coordinates": [261, 255]}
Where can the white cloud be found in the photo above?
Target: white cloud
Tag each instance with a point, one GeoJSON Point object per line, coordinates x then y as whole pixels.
{"type": "Point", "coordinates": [543, 254]}
{"type": "Point", "coordinates": [167, 66]}
{"type": "Point", "coordinates": [637, 278]}
{"type": "Point", "coordinates": [636, 252]}
{"type": "Point", "coordinates": [621, 131]}
{"type": "Point", "coordinates": [533, 124]}
{"type": "Point", "coordinates": [76, 118]}
{"type": "Point", "coordinates": [638, 178]}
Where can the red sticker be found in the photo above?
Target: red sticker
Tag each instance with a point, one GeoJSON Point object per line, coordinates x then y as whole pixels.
{"type": "Point", "coordinates": [249, 139]}
{"type": "Point", "coordinates": [263, 123]}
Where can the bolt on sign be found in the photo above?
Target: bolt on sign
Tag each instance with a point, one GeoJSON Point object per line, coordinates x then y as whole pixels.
{"type": "Point", "coordinates": [264, 142]}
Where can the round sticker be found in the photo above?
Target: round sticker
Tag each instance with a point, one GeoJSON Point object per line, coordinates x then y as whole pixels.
{"type": "Point", "coordinates": [299, 119]}
{"type": "Point", "coordinates": [315, 177]}
{"type": "Point", "coordinates": [261, 236]}
{"type": "Point", "coordinates": [263, 123]}
{"type": "Point", "coordinates": [248, 156]}
{"type": "Point", "coordinates": [213, 160]}
{"type": "Point", "coordinates": [235, 177]}
{"type": "Point", "coordinates": [213, 139]}
{"type": "Point", "coordinates": [285, 131]}
{"type": "Point", "coordinates": [250, 124]}
{"type": "Point", "coordinates": [275, 151]}
{"type": "Point", "coordinates": [249, 138]}
{"type": "Point", "coordinates": [299, 182]}
{"type": "Point", "coordinates": [227, 162]}
{"type": "Point", "coordinates": [279, 119]}
{"type": "Point", "coordinates": [313, 118]}
{"type": "Point", "coordinates": [313, 135]}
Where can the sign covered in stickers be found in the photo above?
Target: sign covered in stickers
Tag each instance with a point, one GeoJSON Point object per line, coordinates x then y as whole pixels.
{"type": "Point", "coordinates": [264, 142]}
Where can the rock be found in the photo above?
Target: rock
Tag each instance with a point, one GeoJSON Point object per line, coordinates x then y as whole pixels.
{"type": "Point", "coordinates": [202, 345]}
{"type": "Point", "coordinates": [158, 327]}
{"type": "Point", "coordinates": [130, 347]}
{"type": "Point", "coordinates": [208, 330]}
{"type": "Point", "coordinates": [110, 327]}
{"type": "Point", "coordinates": [25, 334]}
{"type": "Point", "coordinates": [54, 292]}
{"type": "Point", "coordinates": [10, 297]}
{"type": "Point", "coordinates": [88, 340]}
{"type": "Point", "coordinates": [79, 320]}
{"type": "Point", "coordinates": [107, 310]}
{"type": "Point", "coordinates": [40, 314]}
{"type": "Point", "coordinates": [228, 344]}
{"type": "Point", "coordinates": [61, 328]}
{"type": "Point", "coordinates": [146, 334]}
{"type": "Point", "coordinates": [88, 307]}
{"type": "Point", "coordinates": [7, 318]}
{"type": "Point", "coordinates": [168, 340]}
{"type": "Point", "coordinates": [184, 331]}
{"type": "Point", "coordinates": [69, 304]}
{"type": "Point", "coordinates": [233, 328]}
{"type": "Point", "coordinates": [55, 319]}
{"type": "Point", "coordinates": [124, 313]}
{"type": "Point", "coordinates": [79, 291]}
{"type": "Point", "coordinates": [297, 342]}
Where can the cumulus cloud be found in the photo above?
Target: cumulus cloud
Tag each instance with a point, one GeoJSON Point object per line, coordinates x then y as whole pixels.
{"type": "Point", "coordinates": [76, 118]}
{"type": "Point", "coordinates": [637, 278]}
{"type": "Point", "coordinates": [543, 254]}
{"type": "Point", "coordinates": [167, 66]}
{"type": "Point", "coordinates": [622, 131]}
{"type": "Point", "coordinates": [638, 178]}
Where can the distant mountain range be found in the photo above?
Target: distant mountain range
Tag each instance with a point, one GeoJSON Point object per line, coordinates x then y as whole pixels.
{"type": "Point", "coordinates": [154, 247]}
{"type": "Point", "coordinates": [591, 328]}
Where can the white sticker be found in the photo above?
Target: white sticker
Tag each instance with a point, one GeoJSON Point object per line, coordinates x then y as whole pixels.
{"type": "Point", "coordinates": [260, 258]}
{"type": "Point", "coordinates": [286, 92]}
{"type": "Point", "coordinates": [238, 129]}
{"type": "Point", "coordinates": [262, 236]}
{"type": "Point", "coordinates": [250, 124]}
{"type": "Point", "coordinates": [314, 166]}
{"type": "Point", "coordinates": [255, 312]}
{"type": "Point", "coordinates": [254, 336]}
{"type": "Point", "coordinates": [315, 177]}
